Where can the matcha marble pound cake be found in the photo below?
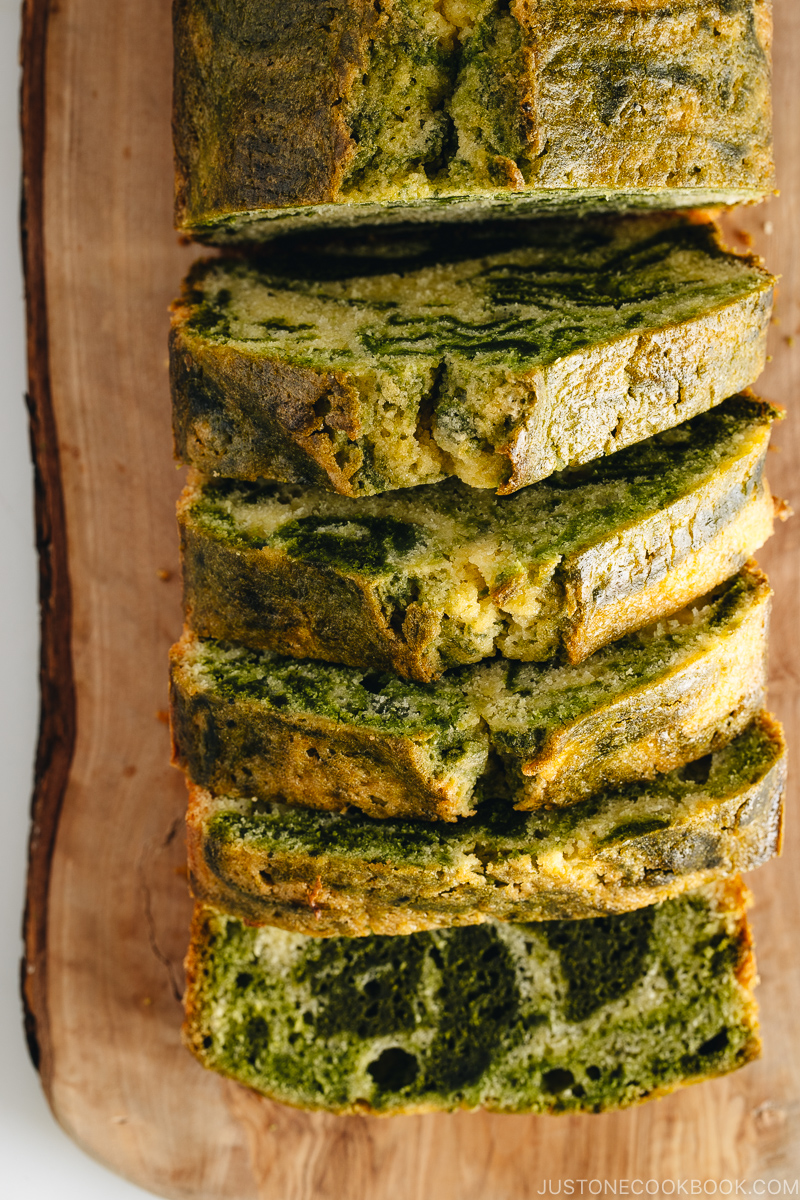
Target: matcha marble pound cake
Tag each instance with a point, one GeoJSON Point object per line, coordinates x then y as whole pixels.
{"type": "Point", "coordinates": [321, 736]}
{"type": "Point", "coordinates": [435, 109]}
{"type": "Point", "coordinates": [564, 1016]}
{"type": "Point", "coordinates": [500, 369]}
{"type": "Point", "coordinates": [624, 848]}
{"type": "Point", "coordinates": [421, 580]}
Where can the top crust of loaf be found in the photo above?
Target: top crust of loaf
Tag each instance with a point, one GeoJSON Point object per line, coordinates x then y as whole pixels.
{"type": "Point", "coordinates": [420, 102]}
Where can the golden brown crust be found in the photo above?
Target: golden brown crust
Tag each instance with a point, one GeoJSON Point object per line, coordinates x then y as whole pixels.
{"type": "Point", "coordinates": [659, 95]}
{"type": "Point", "coordinates": [275, 104]}
{"type": "Point", "coordinates": [267, 600]}
{"type": "Point", "coordinates": [307, 758]}
{"type": "Point", "coordinates": [258, 101]}
{"type": "Point", "coordinates": [193, 967]}
{"type": "Point", "coordinates": [282, 418]}
{"type": "Point", "coordinates": [595, 625]}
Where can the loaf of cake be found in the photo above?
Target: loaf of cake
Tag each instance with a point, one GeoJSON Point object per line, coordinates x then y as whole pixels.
{"type": "Point", "coordinates": [560, 1016]}
{"type": "Point", "coordinates": [424, 579]}
{"type": "Point", "coordinates": [426, 110]}
{"type": "Point", "coordinates": [320, 736]}
{"type": "Point", "coordinates": [470, 693]}
{"type": "Point", "coordinates": [500, 369]}
{"type": "Point", "coordinates": [328, 874]}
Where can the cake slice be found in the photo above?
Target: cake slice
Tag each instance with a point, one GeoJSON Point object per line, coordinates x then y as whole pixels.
{"type": "Point", "coordinates": [363, 371]}
{"type": "Point", "coordinates": [563, 1016]}
{"type": "Point", "coordinates": [420, 580]}
{"type": "Point", "coordinates": [624, 848]}
{"type": "Point", "coordinates": [438, 109]}
{"type": "Point", "coordinates": [249, 723]}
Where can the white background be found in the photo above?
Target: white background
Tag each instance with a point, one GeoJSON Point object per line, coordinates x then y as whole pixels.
{"type": "Point", "coordinates": [37, 1160]}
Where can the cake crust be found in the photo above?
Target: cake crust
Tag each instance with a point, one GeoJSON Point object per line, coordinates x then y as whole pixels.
{"type": "Point", "coordinates": [257, 101]}
{"type": "Point", "coordinates": [500, 368]}
{"type": "Point", "coordinates": [417, 108]}
{"type": "Point", "coordinates": [426, 579]}
{"type": "Point", "coordinates": [617, 852]}
{"type": "Point", "coordinates": [326, 737]}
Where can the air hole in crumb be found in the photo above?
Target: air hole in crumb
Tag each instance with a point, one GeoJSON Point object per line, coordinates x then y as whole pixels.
{"type": "Point", "coordinates": [372, 683]}
{"type": "Point", "coordinates": [558, 1080]}
{"type": "Point", "coordinates": [394, 1070]}
{"type": "Point", "coordinates": [322, 407]}
{"type": "Point", "coordinates": [593, 1073]}
{"type": "Point", "coordinates": [312, 752]}
{"type": "Point", "coordinates": [698, 771]}
{"type": "Point", "coordinates": [715, 1044]}
{"type": "Point", "coordinates": [343, 458]}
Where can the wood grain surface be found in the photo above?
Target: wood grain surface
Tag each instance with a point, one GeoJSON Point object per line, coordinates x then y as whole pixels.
{"type": "Point", "coordinates": [108, 908]}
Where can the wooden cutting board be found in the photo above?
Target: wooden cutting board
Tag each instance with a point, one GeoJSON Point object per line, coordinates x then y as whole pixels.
{"type": "Point", "coordinates": [108, 909]}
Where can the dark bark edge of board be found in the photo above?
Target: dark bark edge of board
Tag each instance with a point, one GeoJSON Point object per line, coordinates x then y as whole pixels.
{"type": "Point", "coordinates": [57, 715]}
